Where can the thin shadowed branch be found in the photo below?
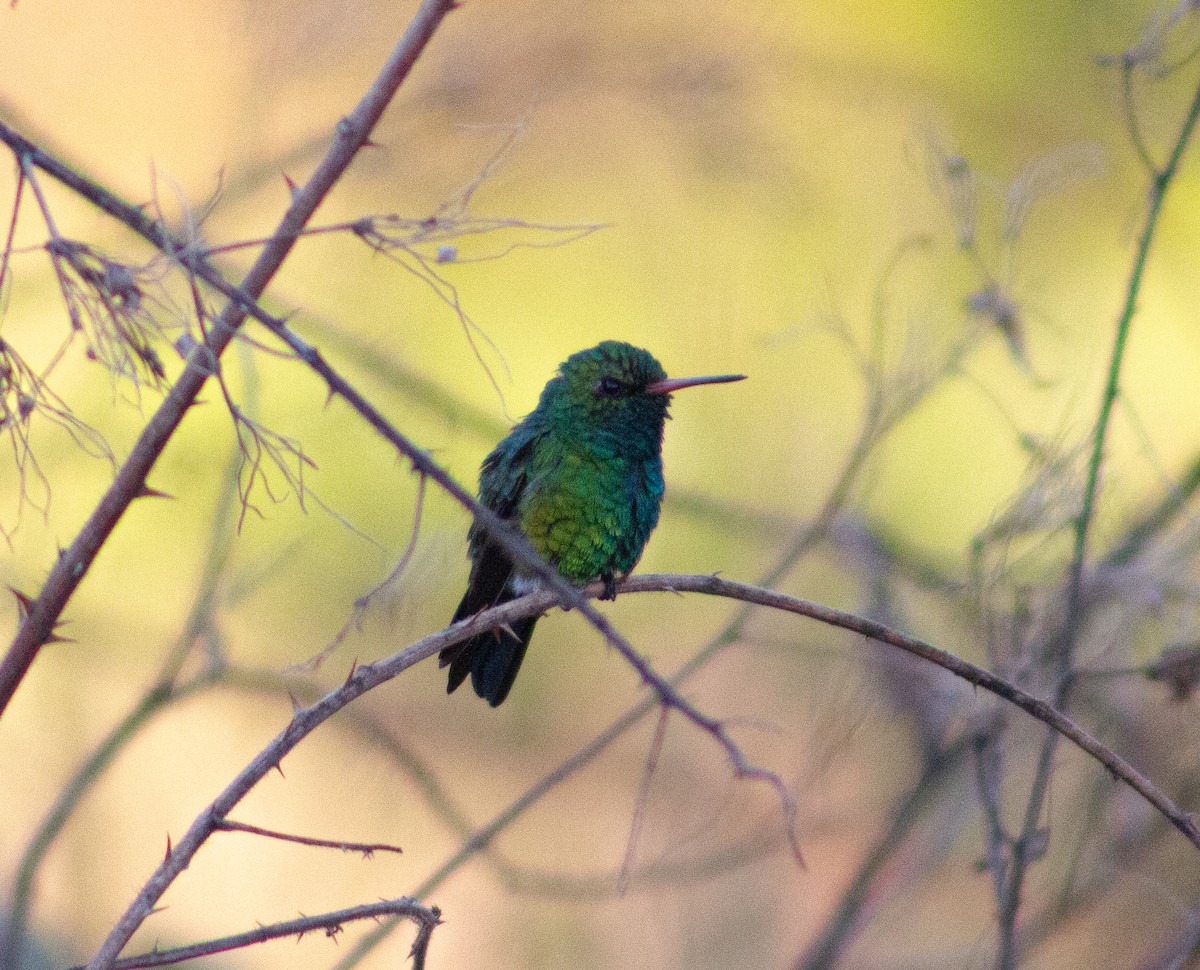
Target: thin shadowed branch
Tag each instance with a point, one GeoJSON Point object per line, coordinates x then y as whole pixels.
{"type": "Point", "coordinates": [1160, 183]}
{"type": "Point", "coordinates": [988, 776]}
{"type": "Point", "coordinates": [363, 603]}
{"type": "Point", "coordinates": [520, 879]}
{"type": "Point", "coordinates": [330, 924]}
{"type": "Point", "coordinates": [1157, 519]}
{"type": "Point", "coordinates": [831, 941]}
{"type": "Point", "coordinates": [6, 254]}
{"type": "Point", "coordinates": [641, 801]}
{"type": "Point", "coordinates": [367, 849]}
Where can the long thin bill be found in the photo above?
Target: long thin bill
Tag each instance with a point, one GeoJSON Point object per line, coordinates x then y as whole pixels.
{"type": "Point", "coordinates": [669, 385]}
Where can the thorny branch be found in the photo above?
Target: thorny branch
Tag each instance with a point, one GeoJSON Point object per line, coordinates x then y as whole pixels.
{"type": "Point", "coordinates": [366, 677]}
{"type": "Point", "coordinates": [1081, 522]}
{"type": "Point", "coordinates": [62, 581]}
{"type": "Point", "coordinates": [427, 919]}
{"type": "Point", "coordinates": [63, 578]}
{"type": "Point", "coordinates": [130, 480]}
{"type": "Point", "coordinates": [353, 132]}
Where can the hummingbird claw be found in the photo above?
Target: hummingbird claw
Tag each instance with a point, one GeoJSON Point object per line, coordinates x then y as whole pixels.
{"type": "Point", "coordinates": [610, 587]}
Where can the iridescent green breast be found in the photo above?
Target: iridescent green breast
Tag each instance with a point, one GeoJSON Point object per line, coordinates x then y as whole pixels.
{"type": "Point", "coordinates": [590, 511]}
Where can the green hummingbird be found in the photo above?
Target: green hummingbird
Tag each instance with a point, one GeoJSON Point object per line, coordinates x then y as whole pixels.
{"type": "Point", "coordinates": [581, 476]}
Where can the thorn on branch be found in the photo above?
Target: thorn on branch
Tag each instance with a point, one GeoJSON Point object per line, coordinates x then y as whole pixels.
{"type": "Point", "coordinates": [24, 603]}
{"type": "Point", "coordinates": [57, 637]}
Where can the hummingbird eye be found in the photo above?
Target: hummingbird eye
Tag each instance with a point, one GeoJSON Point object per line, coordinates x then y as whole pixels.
{"type": "Point", "coordinates": [609, 387]}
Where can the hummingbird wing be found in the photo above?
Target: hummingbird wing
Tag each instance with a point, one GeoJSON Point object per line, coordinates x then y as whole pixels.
{"type": "Point", "coordinates": [502, 482]}
{"type": "Point", "coordinates": [494, 657]}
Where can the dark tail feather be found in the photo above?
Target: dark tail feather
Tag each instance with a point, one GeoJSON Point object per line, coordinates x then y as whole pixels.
{"type": "Point", "coordinates": [492, 659]}
{"type": "Point", "coordinates": [496, 665]}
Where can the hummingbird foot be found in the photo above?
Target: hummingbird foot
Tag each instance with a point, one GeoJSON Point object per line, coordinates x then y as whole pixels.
{"type": "Point", "coordinates": [610, 587]}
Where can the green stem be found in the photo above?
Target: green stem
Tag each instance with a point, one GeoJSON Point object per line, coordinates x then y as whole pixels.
{"type": "Point", "coordinates": [1064, 646]}
{"type": "Point", "coordinates": [1159, 185]}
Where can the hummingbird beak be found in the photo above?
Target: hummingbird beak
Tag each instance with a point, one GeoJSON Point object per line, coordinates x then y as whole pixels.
{"type": "Point", "coordinates": [669, 385]}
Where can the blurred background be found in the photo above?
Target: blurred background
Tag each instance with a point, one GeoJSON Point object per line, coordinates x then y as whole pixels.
{"type": "Point", "coordinates": [911, 224]}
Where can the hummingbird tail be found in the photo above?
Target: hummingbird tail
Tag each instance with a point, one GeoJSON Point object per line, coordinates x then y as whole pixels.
{"type": "Point", "coordinates": [492, 659]}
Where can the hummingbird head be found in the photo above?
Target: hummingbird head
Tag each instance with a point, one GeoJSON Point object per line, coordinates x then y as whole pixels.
{"type": "Point", "coordinates": [618, 389]}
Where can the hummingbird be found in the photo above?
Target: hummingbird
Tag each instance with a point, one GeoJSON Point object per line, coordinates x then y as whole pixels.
{"type": "Point", "coordinates": [581, 476]}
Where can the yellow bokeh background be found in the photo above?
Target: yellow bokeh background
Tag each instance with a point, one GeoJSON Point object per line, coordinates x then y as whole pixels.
{"type": "Point", "coordinates": [756, 167]}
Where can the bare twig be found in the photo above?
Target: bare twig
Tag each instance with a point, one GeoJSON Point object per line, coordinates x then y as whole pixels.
{"type": "Point", "coordinates": [641, 801]}
{"type": "Point", "coordinates": [363, 603]}
{"type": "Point", "coordinates": [6, 253]}
{"type": "Point", "coordinates": [62, 582]}
{"type": "Point", "coordinates": [1160, 183]}
{"type": "Point", "coordinates": [1039, 709]}
{"type": "Point", "coordinates": [162, 694]}
{"type": "Point", "coordinates": [353, 132]}
{"type": "Point", "coordinates": [830, 943]}
{"type": "Point", "coordinates": [364, 678]}
{"type": "Point", "coordinates": [366, 848]}
{"type": "Point", "coordinates": [1157, 518]}
{"type": "Point", "coordinates": [330, 924]}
